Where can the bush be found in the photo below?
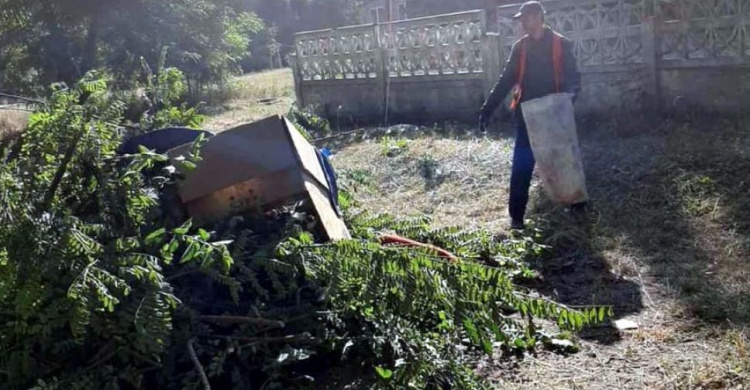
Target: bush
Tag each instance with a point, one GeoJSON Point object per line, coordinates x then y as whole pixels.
{"type": "Point", "coordinates": [83, 284]}
{"type": "Point", "coordinates": [157, 99]}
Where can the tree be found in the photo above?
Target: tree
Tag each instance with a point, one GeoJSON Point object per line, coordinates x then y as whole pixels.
{"type": "Point", "coordinates": [43, 42]}
{"type": "Point", "coordinates": [293, 16]}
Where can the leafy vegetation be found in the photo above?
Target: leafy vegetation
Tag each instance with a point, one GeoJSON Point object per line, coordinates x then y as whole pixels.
{"type": "Point", "coordinates": [101, 288]}
{"type": "Point", "coordinates": [393, 147]}
{"type": "Point", "coordinates": [308, 123]}
{"type": "Point", "coordinates": [82, 285]}
{"type": "Point", "coordinates": [42, 42]}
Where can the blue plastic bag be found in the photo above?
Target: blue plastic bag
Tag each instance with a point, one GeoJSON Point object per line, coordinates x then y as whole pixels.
{"type": "Point", "coordinates": [324, 158]}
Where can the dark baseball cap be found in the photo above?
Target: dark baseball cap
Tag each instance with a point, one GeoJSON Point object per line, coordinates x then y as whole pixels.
{"type": "Point", "coordinates": [530, 7]}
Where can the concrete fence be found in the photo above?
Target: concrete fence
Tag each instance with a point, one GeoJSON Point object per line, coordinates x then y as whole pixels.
{"type": "Point", "coordinates": [633, 54]}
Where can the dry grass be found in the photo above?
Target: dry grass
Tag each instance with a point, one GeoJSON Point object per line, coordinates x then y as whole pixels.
{"type": "Point", "coordinates": [252, 97]}
{"type": "Point", "coordinates": [666, 244]}
{"type": "Point", "coordinates": [456, 182]}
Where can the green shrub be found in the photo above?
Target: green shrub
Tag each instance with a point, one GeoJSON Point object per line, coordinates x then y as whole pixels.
{"type": "Point", "coordinates": [83, 272]}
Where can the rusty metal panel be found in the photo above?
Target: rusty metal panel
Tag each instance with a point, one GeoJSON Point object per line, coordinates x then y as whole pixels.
{"type": "Point", "coordinates": [307, 155]}
{"type": "Point", "coordinates": [238, 155]}
{"type": "Point", "coordinates": [255, 194]}
{"type": "Point", "coordinates": [256, 167]}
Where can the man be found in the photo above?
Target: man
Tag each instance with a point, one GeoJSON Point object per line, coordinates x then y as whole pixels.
{"type": "Point", "coordinates": [541, 63]}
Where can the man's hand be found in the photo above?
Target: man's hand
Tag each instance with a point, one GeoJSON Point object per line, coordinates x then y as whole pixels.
{"type": "Point", "coordinates": [574, 92]}
{"type": "Point", "coordinates": [484, 120]}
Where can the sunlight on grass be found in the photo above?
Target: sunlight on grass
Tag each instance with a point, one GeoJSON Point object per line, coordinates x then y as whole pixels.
{"type": "Point", "coordinates": [12, 122]}
{"type": "Point", "coordinates": [250, 98]}
{"type": "Point", "coordinates": [667, 240]}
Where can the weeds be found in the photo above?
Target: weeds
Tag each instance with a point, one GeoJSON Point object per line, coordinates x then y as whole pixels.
{"type": "Point", "coordinates": [666, 241]}
{"type": "Point", "coordinates": [311, 125]}
{"type": "Point", "coordinates": [250, 98]}
{"type": "Point", "coordinates": [359, 181]}
{"type": "Point", "coordinates": [429, 169]}
{"type": "Point", "coordinates": [390, 147]}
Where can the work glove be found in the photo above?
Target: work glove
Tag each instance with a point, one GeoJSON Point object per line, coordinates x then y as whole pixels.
{"type": "Point", "coordinates": [574, 93]}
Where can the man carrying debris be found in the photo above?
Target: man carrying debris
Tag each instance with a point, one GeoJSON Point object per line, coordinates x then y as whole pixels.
{"type": "Point", "coordinates": [541, 63]}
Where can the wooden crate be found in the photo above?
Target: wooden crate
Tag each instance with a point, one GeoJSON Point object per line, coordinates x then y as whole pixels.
{"type": "Point", "coordinates": [258, 166]}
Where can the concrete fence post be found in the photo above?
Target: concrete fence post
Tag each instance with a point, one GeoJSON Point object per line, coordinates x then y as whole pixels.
{"type": "Point", "coordinates": [381, 62]}
{"type": "Point", "coordinates": [491, 15]}
{"type": "Point", "coordinates": [650, 33]}
{"type": "Point", "coordinates": [651, 58]}
{"type": "Point", "coordinates": [491, 52]}
{"type": "Point", "coordinates": [493, 65]}
{"type": "Point", "coordinates": [297, 74]}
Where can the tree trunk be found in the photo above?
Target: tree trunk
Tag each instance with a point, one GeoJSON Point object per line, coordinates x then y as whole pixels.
{"type": "Point", "coordinates": [89, 52]}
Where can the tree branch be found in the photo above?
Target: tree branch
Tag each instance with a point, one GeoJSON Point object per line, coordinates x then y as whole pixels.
{"type": "Point", "coordinates": [50, 196]}
{"type": "Point", "coordinates": [198, 366]}
{"type": "Point", "coordinates": [243, 320]}
{"type": "Point", "coordinates": [181, 274]}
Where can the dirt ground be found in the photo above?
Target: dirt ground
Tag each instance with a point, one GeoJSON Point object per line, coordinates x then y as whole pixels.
{"type": "Point", "coordinates": [666, 242]}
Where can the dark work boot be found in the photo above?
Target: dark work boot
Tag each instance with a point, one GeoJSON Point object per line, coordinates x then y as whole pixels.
{"type": "Point", "coordinates": [517, 225]}
{"type": "Point", "coordinates": [578, 211]}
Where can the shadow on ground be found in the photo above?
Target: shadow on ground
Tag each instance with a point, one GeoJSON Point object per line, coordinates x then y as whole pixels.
{"type": "Point", "coordinates": [669, 204]}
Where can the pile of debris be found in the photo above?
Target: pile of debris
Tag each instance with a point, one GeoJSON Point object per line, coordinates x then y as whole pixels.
{"type": "Point", "coordinates": [254, 167]}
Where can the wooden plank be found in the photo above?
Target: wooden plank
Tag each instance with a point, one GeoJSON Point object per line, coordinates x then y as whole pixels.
{"type": "Point", "coordinates": [334, 227]}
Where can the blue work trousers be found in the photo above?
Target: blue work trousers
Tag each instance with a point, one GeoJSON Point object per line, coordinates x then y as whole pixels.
{"type": "Point", "coordinates": [521, 172]}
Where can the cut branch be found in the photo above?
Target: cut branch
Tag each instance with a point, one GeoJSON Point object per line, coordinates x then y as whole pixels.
{"type": "Point", "coordinates": [198, 366]}
{"type": "Point", "coordinates": [243, 320]}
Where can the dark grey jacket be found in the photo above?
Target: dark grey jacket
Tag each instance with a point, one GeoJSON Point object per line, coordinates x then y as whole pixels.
{"type": "Point", "coordinates": [539, 78]}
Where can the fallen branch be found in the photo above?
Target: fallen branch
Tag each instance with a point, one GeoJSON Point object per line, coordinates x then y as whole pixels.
{"type": "Point", "coordinates": [243, 320]}
{"type": "Point", "coordinates": [22, 98]}
{"type": "Point", "coordinates": [395, 239]}
{"type": "Point", "coordinates": [270, 340]}
{"type": "Point", "coordinates": [344, 134]}
{"type": "Point", "coordinates": [198, 366]}
{"type": "Point", "coordinates": [7, 108]}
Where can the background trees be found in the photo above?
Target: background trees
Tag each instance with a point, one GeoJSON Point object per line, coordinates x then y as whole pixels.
{"type": "Point", "coordinates": [49, 41]}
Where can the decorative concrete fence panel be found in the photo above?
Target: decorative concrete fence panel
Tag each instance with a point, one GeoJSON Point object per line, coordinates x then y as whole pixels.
{"type": "Point", "coordinates": [435, 67]}
{"type": "Point", "coordinates": [633, 54]}
{"type": "Point", "coordinates": [704, 53]}
{"type": "Point", "coordinates": [606, 32]}
{"type": "Point", "coordinates": [340, 72]}
{"type": "Point", "coordinates": [435, 46]}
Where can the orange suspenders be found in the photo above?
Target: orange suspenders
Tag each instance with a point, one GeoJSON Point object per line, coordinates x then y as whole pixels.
{"type": "Point", "coordinates": [518, 88]}
{"type": "Point", "coordinates": [557, 65]}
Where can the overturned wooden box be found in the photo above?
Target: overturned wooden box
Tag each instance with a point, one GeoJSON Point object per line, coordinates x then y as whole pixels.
{"type": "Point", "coordinates": [258, 166]}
